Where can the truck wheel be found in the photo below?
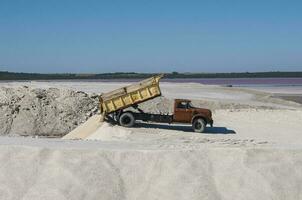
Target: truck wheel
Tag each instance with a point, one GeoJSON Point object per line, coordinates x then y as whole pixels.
{"type": "Point", "coordinates": [199, 125]}
{"type": "Point", "coordinates": [127, 119]}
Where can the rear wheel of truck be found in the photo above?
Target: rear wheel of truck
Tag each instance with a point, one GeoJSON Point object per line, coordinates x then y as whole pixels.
{"type": "Point", "coordinates": [199, 125]}
{"type": "Point", "coordinates": [127, 119]}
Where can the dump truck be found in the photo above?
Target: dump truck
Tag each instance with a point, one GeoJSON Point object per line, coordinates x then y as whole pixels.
{"type": "Point", "coordinates": [113, 106]}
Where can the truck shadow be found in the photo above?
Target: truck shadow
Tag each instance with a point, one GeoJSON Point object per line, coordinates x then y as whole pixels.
{"type": "Point", "coordinates": [219, 130]}
{"type": "Point", "coordinates": [185, 128]}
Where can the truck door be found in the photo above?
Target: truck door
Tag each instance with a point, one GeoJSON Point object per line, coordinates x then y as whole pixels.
{"type": "Point", "coordinates": [181, 112]}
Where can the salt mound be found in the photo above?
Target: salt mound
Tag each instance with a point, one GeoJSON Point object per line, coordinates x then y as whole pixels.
{"type": "Point", "coordinates": [108, 132]}
{"type": "Point", "coordinates": [31, 173]}
{"type": "Point", "coordinates": [85, 129]}
{"type": "Point", "coordinates": [44, 112]}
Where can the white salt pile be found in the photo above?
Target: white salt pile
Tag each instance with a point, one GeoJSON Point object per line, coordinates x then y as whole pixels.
{"type": "Point", "coordinates": [95, 129]}
{"type": "Point", "coordinates": [108, 132]}
{"type": "Point", "coordinates": [43, 112]}
{"type": "Point", "coordinates": [85, 129]}
{"type": "Point", "coordinates": [31, 173]}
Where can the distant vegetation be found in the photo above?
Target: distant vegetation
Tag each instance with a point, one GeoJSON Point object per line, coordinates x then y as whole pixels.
{"type": "Point", "coordinates": [4, 75]}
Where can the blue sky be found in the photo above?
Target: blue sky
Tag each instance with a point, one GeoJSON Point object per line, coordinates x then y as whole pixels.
{"type": "Point", "coordinates": [150, 36]}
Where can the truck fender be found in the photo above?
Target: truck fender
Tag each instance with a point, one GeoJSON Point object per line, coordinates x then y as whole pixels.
{"type": "Point", "coordinates": [199, 116]}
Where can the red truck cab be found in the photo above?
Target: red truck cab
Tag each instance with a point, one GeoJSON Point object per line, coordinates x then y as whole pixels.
{"type": "Point", "coordinates": [185, 112]}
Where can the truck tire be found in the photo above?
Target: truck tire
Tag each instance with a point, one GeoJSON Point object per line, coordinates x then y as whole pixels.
{"type": "Point", "coordinates": [127, 119]}
{"type": "Point", "coordinates": [199, 125]}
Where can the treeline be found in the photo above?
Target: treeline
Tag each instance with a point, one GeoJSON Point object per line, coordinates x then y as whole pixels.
{"type": "Point", "coordinates": [4, 75]}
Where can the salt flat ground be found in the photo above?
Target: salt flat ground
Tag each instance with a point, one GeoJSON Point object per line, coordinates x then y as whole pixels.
{"type": "Point", "coordinates": [254, 151]}
{"type": "Point", "coordinates": [238, 113]}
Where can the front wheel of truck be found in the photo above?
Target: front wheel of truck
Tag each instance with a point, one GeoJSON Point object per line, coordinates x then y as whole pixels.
{"type": "Point", "coordinates": [127, 119]}
{"type": "Point", "coordinates": [199, 125]}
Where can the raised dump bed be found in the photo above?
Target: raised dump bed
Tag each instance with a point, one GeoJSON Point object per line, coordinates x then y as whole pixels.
{"type": "Point", "coordinates": [129, 96]}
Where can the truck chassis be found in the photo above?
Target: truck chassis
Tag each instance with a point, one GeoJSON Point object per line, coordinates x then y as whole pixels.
{"type": "Point", "coordinates": [140, 115]}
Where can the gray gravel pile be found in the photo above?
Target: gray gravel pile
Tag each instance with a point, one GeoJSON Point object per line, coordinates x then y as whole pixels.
{"type": "Point", "coordinates": [43, 112]}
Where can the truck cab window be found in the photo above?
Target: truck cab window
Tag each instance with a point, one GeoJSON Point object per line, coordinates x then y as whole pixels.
{"type": "Point", "coordinates": [182, 105]}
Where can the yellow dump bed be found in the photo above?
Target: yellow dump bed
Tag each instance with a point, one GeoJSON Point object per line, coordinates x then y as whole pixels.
{"type": "Point", "coordinates": [130, 95]}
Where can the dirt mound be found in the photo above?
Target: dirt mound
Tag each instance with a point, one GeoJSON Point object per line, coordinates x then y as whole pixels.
{"type": "Point", "coordinates": [43, 112]}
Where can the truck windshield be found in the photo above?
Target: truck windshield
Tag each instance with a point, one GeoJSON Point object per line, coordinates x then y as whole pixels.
{"type": "Point", "coordinates": [190, 105]}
